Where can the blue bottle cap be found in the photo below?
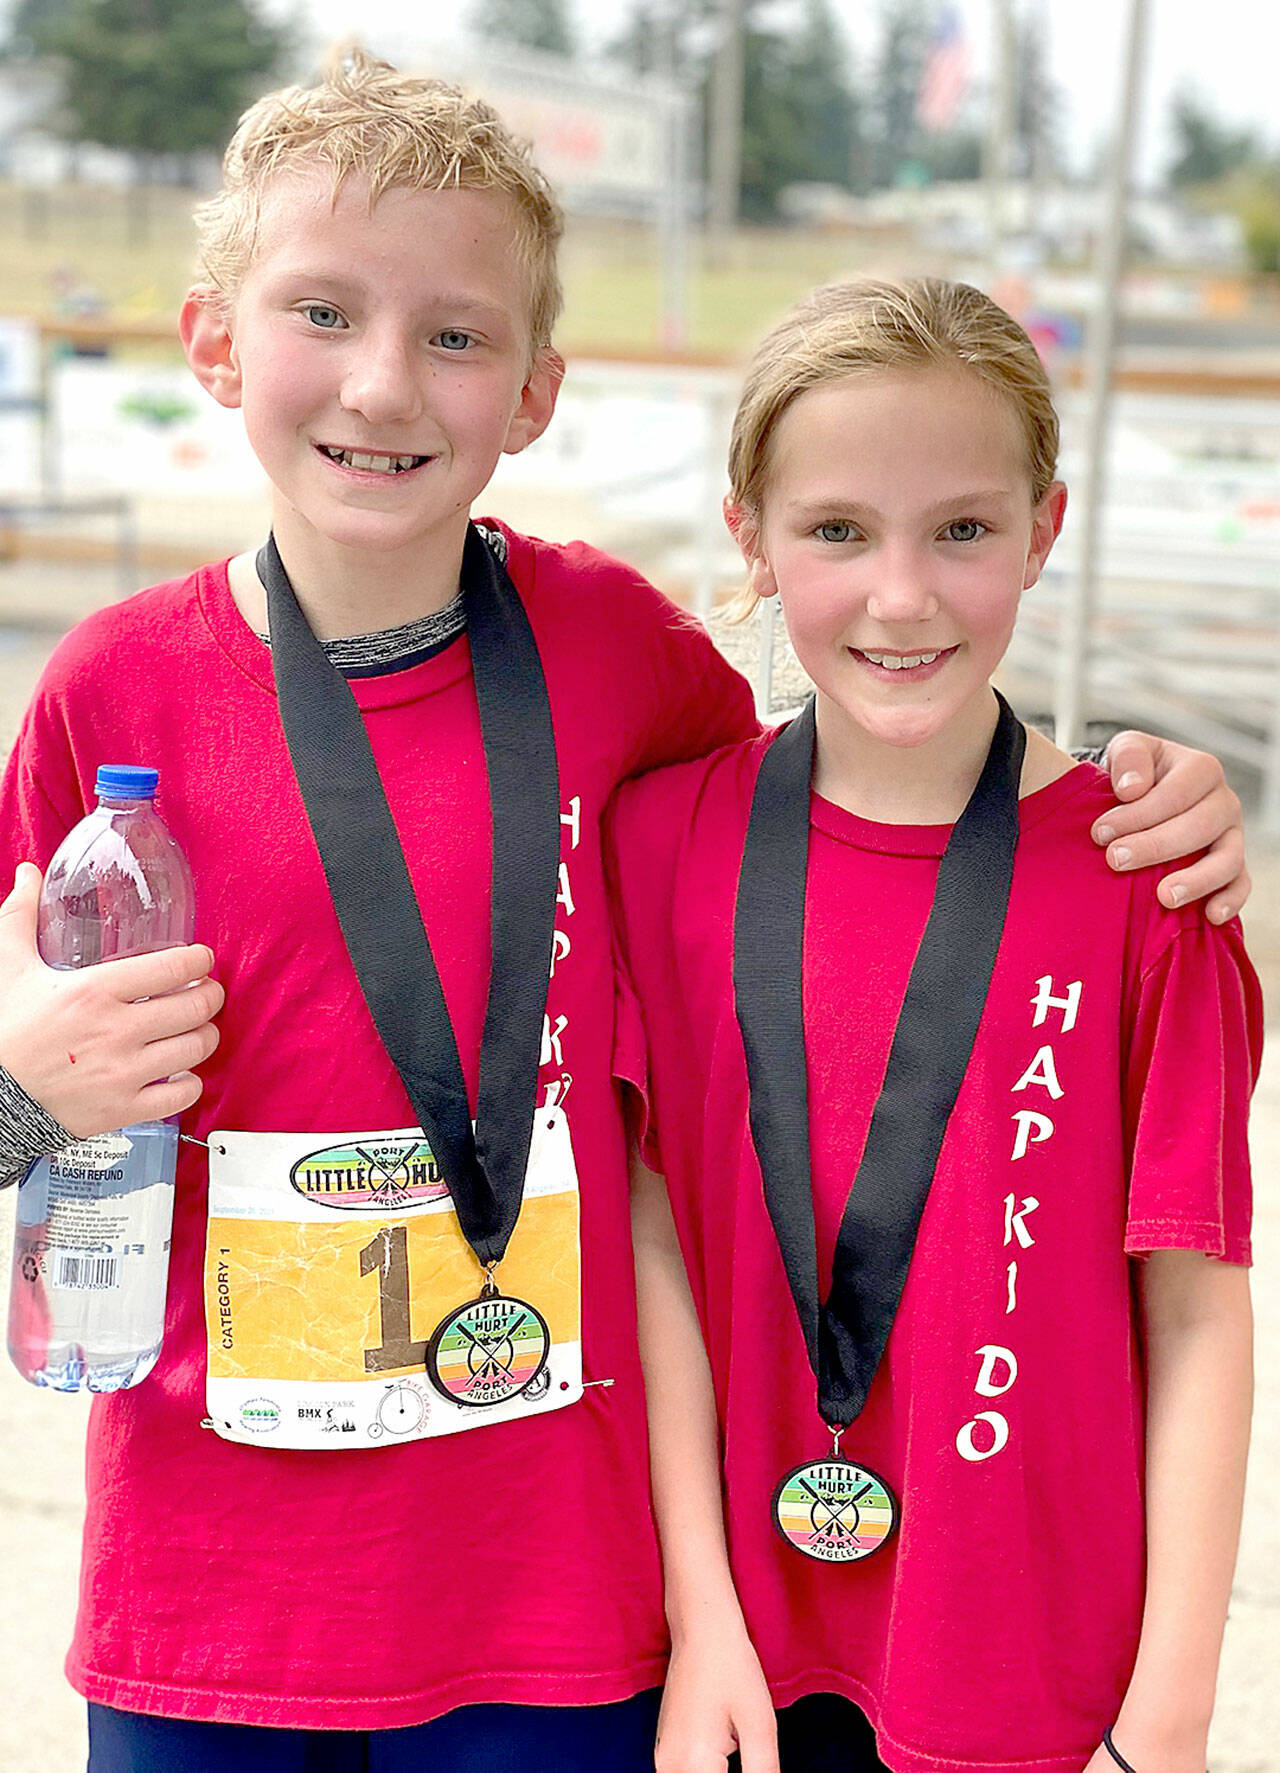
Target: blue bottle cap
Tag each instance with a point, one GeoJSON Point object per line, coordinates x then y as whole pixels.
{"type": "Point", "coordinates": [126, 781]}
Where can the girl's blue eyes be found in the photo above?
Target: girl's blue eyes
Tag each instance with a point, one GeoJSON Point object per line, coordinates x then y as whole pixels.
{"type": "Point", "coordinates": [453, 340]}
{"type": "Point", "coordinates": [964, 529]}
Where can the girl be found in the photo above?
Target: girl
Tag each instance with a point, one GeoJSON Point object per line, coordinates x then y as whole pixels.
{"type": "Point", "coordinates": [949, 1128]}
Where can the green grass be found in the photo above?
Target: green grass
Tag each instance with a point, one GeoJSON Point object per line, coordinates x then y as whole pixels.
{"type": "Point", "coordinates": [85, 233]}
{"type": "Point", "coordinates": [140, 269]}
{"type": "Point", "coordinates": [613, 286]}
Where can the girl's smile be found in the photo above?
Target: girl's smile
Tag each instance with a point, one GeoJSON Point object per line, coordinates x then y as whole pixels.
{"type": "Point", "coordinates": [901, 668]}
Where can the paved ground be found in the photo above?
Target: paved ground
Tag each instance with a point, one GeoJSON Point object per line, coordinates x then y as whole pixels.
{"type": "Point", "coordinates": [41, 1436]}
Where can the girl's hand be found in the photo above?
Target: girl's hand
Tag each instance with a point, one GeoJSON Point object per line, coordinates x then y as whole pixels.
{"type": "Point", "coordinates": [716, 1700]}
{"type": "Point", "coordinates": [83, 1044]}
{"type": "Point", "coordinates": [1147, 1758]}
{"type": "Point", "coordinates": [1101, 1762]}
{"type": "Point", "coordinates": [1176, 802]}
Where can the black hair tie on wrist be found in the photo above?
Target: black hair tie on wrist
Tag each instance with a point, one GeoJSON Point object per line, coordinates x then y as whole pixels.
{"type": "Point", "coordinates": [1114, 1752]}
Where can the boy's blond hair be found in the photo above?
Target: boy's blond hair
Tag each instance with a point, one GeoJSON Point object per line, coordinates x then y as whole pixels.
{"type": "Point", "coordinates": [392, 129]}
{"type": "Point", "coordinates": [845, 329]}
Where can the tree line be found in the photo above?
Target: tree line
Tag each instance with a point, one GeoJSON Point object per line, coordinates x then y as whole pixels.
{"type": "Point", "coordinates": [170, 77]}
{"type": "Point", "coordinates": [152, 77]}
{"type": "Point", "coordinates": [813, 113]}
{"type": "Point", "coordinates": [1235, 169]}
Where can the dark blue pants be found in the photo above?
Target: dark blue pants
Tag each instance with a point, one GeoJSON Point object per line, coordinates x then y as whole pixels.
{"type": "Point", "coordinates": [474, 1739]}
{"type": "Point", "coordinates": [819, 1734]}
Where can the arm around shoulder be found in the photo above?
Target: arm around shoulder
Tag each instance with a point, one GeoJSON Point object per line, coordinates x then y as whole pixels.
{"type": "Point", "coordinates": [1176, 802]}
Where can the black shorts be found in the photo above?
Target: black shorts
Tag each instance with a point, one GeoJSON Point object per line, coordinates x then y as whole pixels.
{"type": "Point", "coordinates": [823, 1733]}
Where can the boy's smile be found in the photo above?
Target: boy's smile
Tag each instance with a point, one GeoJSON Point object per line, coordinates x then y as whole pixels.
{"type": "Point", "coordinates": [899, 532]}
{"type": "Point", "coordinates": [381, 357]}
{"type": "Point", "coordinates": [366, 463]}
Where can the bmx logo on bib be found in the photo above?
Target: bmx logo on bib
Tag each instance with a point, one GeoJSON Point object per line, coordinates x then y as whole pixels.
{"type": "Point", "coordinates": [370, 1178]}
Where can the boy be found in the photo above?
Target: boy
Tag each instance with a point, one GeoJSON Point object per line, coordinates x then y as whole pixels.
{"type": "Point", "coordinates": [382, 290]}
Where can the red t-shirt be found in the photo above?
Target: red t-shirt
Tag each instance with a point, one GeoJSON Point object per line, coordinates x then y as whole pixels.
{"type": "Point", "coordinates": [1102, 1115]}
{"type": "Point", "coordinates": [361, 1590]}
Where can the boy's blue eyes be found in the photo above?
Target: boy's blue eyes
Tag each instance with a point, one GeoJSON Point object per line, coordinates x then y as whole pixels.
{"type": "Point", "coordinates": [328, 319]}
{"type": "Point", "coordinates": [835, 532]}
{"type": "Point", "coordinates": [970, 525]}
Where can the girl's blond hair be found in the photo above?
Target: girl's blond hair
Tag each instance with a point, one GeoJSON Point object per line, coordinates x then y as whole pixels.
{"type": "Point", "coordinates": [846, 329]}
{"type": "Point", "coordinates": [391, 129]}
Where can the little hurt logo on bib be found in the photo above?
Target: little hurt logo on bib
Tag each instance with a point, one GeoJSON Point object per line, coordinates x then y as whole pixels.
{"type": "Point", "coordinates": [369, 1176]}
{"type": "Point", "coordinates": [333, 1270]}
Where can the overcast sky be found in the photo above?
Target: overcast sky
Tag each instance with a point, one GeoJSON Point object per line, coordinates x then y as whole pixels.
{"type": "Point", "coordinates": [1228, 50]}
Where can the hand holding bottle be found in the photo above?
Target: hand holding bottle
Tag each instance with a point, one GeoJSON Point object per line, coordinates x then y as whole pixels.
{"type": "Point", "coordinates": [106, 1045]}
{"type": "Point", "coordinates": [92, 1234]}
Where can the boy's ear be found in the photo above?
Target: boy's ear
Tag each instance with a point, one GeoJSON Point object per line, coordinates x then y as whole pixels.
{"type": "Point", "coordinates": [205, 329]}
{"type": "Point", "coordinates": [1046, 525]}
{"type": "Point", "coordinates": [537, 402]}
{"type": "Point", "coordinates": [744, 527]}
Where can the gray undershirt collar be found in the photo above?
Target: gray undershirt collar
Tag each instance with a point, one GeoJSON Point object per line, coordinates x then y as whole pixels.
{"type": "Point", "coordinates": [387, 646]}
{"type": "Point", "coordinates": [363, 654]}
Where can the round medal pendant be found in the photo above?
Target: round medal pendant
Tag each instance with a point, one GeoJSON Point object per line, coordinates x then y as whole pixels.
{"type": "Point", "coordinates": [834, 1511]}
{"type": "Point", "coordinates": [488, 1351]}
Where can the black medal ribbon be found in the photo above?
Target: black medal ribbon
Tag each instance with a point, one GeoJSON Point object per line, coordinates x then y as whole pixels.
{"type": "Point", "coordinates": [378, 911]}
{"type": "Point", "coordinates": [845, 1336]}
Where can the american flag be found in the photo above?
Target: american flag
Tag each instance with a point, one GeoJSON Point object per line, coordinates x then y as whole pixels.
{"type": "Point", "coordinates": [944, 79]}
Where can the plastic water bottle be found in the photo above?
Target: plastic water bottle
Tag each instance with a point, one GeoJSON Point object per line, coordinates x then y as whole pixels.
{"type": "Point", "coordinates": [91, 1245]}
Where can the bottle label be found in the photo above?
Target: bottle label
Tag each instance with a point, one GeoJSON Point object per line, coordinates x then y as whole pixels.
{"type": "Point", "coordinates": [331, 1260]}
{"type": "Point", "coordinates": [92, 1156]}
{"type": "Point", "coordinates": [97, 1215]}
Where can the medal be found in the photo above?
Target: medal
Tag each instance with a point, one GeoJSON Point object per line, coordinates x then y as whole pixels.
{"type": "Point", "coordinates": [491, 1348]}
{"type": "Point", "coordinates": [834, 1509]}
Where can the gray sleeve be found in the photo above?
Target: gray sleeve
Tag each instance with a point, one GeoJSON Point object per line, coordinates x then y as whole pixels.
{"type": "Point", "coordinates": [26, 1131]}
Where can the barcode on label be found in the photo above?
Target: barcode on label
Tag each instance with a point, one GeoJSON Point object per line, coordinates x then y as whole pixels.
{"type": "Point", "coordinates": [88, 1273]}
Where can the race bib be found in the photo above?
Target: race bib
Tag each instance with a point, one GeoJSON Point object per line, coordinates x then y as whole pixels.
{"type": "Point", "coordinates": [333, 1259]}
